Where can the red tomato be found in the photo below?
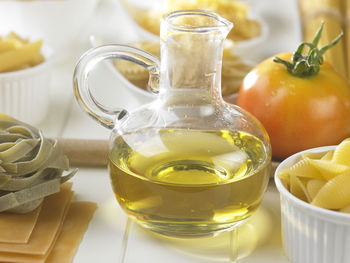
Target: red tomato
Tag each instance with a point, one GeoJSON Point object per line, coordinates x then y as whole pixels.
{"type": "Point", "coordinates": [298, 113]}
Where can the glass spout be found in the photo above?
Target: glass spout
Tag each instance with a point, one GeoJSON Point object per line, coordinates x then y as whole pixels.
{"type": "Point", "coordinates": [191, 54]}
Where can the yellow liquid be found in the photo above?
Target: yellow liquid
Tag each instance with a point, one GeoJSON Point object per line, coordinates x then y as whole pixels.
{"type": "Point", "coordinates": [189, 182]}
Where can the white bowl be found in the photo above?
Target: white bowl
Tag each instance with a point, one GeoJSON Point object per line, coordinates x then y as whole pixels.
{"type": "Point", "coordinates": [312, 234]}
{"type": "Point", "coordinates": [142, 94]}
{"type": "Point", "coordinates": [250, 49]}
{"type": "Point", "coordinates": [59, 22]}
{"type": "Point", "coordinates": [24, 94]}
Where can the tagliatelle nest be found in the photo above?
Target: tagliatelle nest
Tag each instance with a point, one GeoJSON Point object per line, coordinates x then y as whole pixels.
{"type": "Point", "coordinates": [234, 68]}
{"type": "Point", "coordinates": [31, 167]}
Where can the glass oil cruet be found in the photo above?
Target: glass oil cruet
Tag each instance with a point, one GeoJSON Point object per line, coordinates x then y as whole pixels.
{"type": "Point", "coordinates": [187, 164]}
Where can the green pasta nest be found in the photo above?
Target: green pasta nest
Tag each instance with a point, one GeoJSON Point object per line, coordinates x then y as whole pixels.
{"type": "Point", "coordinates": [31, 167]}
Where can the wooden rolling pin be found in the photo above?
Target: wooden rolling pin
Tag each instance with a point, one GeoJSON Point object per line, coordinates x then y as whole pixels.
{"type": "Point", "coordinates": [94, 152]}
{"type": "Point", "coordinates": [81, 152]}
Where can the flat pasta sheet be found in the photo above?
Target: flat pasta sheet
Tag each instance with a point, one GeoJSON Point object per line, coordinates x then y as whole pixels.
{"type": "Point", "coordinates": [73, 230]}
{"type": "Point", "coordinates": [49, 222]}
{"type": "Point", "coordinates": [17, 228]}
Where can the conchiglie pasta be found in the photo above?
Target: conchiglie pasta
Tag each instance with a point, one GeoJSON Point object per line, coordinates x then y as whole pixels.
{"type": "Point", "coordinates": [303, 169]}
{"type": "Point", "coordinates": [329, 169]}
{"type": "Point", "coordinates": [328, 156]}
{"type": "Point", "coordinates": [313, 186]}
{"type": "Point", "coordinates": [322, 179]}
{"type": "Point", "coordinates": [298, 189]}
{"type": "Point", "coordinates": [335, 193]}
{"type": "Point", "coordinates": [342, 153]}
{"type": "Point", "coordinates": [284, 177]}
{"type": "Point", "coordinates": [313, 155]}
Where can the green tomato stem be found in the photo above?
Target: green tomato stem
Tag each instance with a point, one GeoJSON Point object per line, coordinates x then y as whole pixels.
{"type": "Point", "coordinates": [308, 65]}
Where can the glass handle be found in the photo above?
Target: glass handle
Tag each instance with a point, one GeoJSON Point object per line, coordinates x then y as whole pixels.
{"type": "Point", "coordinates": [105, 115]}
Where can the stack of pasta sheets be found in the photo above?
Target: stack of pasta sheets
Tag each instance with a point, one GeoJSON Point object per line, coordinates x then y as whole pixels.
{"type": "Point", "coordinates": [336, 17]}
{"type": "Point", "coordinates": [50, 233]}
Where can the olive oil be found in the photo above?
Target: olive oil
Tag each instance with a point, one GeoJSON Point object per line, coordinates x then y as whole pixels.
{"type": "Point", "coordinates": [188, 182]}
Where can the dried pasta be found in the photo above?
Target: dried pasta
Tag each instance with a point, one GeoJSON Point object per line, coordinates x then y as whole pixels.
{"type": "Point", "coordinates": [342, 153]}
{"type": "Point", "coordinates": [233, 10]}
{"type": "Point", "coordinates": [18, 53]}
{"type": "Point", "coordinates": [298, 189]}
{"type": "Point", "coordinates": [329, 171]}
{"type": "Point", "coordinates": [31, 166]}
{"type": "Point", "coordinates": [313, 187]}
{"type": "Point", "coordinates": [234, 68]}
{"type": "Point", "coordinates": [335, 193]}
{"type": "Point", "coordinates": [322, 179]}
{"type": "Point", "coordinates": [303, 169]}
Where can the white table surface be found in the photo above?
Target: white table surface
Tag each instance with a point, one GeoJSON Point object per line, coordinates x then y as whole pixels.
{"type": "Point", "coordinates": [111, 236]}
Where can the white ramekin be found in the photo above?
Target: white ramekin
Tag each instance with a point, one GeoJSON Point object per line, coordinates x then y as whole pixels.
{"type": "Point", "coordinates": [24, 94]}
{"type": "Point", "coordinates": [60, 23]}
{"type": "Point", "coordinates": [312, 234]}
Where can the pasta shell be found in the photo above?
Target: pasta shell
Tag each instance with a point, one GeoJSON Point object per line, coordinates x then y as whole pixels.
{"type": "Point", "coordinates": [304, 169]}
{"type": "Point", "coordinates": [328, 156]}
{"type": "Point", "coordinates": [298, 189]}
{"type": "Point", "coordinates": [335, 193]}
{"type": "Point", "coordinates": [329, 169]}
{"type": "Point", "coordinates": [313, 155]}
{"type": "Point", "coordinates": [285, 180]}
{"type": "Point", "coordinates": [313, 186]}
{"type": "Point", "coordinates": [342, 153]}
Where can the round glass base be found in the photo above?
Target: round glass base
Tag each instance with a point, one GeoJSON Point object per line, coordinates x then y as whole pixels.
{"type": "Point", "coordinates": [189, 229]}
